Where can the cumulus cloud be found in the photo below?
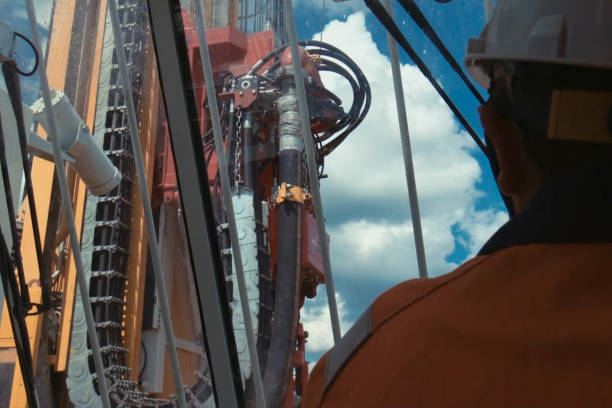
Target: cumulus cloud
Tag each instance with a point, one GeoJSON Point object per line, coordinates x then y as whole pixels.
{"type": "Point", "coordinates": [332, 8]}
{"type": "Point", "coordinates": [366, 181]}
{"type": "Point", "coordinates": [316, 321]}
{"type": "Point", "coordinates": [480, 225]}
{"type": "Point", "coordinates": [365, 196]}
{"type": "Point", "coordinates": [17, 11]}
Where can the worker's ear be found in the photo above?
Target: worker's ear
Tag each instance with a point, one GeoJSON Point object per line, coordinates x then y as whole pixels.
{"type": "Point", "coordinates": [517, 174]}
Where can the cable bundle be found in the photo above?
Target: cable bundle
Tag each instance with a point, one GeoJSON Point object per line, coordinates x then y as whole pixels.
{"type": "Point", "coordinates": [331, 60]}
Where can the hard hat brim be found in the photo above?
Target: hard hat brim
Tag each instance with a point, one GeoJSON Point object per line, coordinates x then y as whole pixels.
{"type": "Point", "coordinates": [477, 64]}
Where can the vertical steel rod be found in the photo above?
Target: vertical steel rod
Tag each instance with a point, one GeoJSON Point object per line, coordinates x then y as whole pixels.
{"type": "Point", "coordinates": [67, 205]}
{"type": "Point", "coordinates": [210, 282]}
{"type": "Point", "coordinates": [160, 283]}
{"type": "Point", "coordinates": [227, 201]}
{"type": "Point", "coordinates": [407, 151]}
{"type": "Point", "coordinates": [488, 9]}
{"type": "Point", "coordinates": [312, 167]}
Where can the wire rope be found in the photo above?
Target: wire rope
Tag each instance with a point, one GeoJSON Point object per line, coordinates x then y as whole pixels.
{"type": "Point", "coordinates": [36, 58]}
{"type": "Point", "coordinates": [413, 10]}
{"type": "Point", "coordinates": [386, 20]}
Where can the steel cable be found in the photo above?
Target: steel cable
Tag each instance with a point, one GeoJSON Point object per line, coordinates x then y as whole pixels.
{"type": "Point", "coordinates": [418, 17]}
{"type": "Point", "coordinates": [386, 20]}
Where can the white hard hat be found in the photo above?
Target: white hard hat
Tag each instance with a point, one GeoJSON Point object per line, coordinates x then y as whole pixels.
{"type": "Point", "coordinates": [568, 32]}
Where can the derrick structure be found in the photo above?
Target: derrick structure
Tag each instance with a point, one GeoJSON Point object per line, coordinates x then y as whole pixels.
{"type": "Point", "coordinates": [268, 216]}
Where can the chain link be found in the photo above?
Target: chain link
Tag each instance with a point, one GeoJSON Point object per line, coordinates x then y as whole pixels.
{"type": "Point", "coordinates": [238, 152]}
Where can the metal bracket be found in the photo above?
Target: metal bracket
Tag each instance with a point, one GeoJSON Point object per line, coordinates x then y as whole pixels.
{"type": "Point", "coordinates": [43, 148]}
{"type": "Point", "coordinates": [287, 192]}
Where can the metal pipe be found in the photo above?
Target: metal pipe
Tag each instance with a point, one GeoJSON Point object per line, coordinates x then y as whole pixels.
{"type": "Point", "coordinates": [312, 168]}
{"type": "Point", "coordinates": [227, 201]}
{"type": "Point", "coordinates": [192, 176]}
{"type": "Point", "coordinates": [15, 308]}
{"type": "Point", "coordinates": [11, 79]}
{"type": "Point", "coordinates": [248, 161]}
{"type": "Point", "coordinates": [406, 150]}
{"type": "Point", "coordinates": [289, 228]}
{"type": "Point", "coordinates": [488, 9]}
{"type": "Point", "coordinates": [160, 283]}
{"type": "Point", "coordinates": [68, 212]}
{"type": "Point", "coordinates": [16, 247]}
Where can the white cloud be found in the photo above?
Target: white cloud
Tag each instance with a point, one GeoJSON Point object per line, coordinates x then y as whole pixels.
{"type": "Point", "coordinates": [480, 225]}
{"type": "Point", "coordinates": [372, 243]}
{"type": "Point", "coordinates": [42, 8]}
{"type": "Point", "coordinates": [316, 320]}
{"type": "Point", "coordinates": [368, 168]}
{"type": "Point", "coordinates": [333, 9]}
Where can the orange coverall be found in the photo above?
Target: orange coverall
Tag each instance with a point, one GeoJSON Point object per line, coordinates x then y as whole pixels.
{"type": "Point", "coordinates": [527, 323]}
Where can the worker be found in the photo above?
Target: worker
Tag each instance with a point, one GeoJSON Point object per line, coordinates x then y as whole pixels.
{"type": "Point", "coordinates": [528, 321]}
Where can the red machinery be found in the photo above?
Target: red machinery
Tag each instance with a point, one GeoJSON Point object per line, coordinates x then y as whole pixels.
{"type": "Point", "coordinates": [251, 76]}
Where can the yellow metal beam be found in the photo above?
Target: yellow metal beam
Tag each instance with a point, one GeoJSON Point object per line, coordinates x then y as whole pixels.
{"type": "Point", "coordinates": [42, 176]}
{"type": "Point", "coordinates": [137, 261]}
{"type": "Point", "coordinates": [79, 192]}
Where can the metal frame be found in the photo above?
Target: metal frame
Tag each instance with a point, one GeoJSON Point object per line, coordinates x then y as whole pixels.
{"type": "Point", "coordinates": [143, 189]}
{"type": "Point", "coordinates": [406, 150]}
{"type": "Point", "coordinates": [68, 211]}
{"type": "Point", "coordinates": [181, 112]}
{"type": "Point", "coordinates": [312, 168]}
{"type": "Point", "coordinates": [227, 203]}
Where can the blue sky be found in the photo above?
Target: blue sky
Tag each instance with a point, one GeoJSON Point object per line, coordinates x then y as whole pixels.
{"type": "Point", "coordinates": [365, 197]}
{"type": "Point", "coordinates": [15, 16]}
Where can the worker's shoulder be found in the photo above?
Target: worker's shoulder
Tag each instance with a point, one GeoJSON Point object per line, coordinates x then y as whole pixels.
{"type": "Point", "coordinates": [392, 302]}
{"type": "Point", "coordinates": [405, 294]}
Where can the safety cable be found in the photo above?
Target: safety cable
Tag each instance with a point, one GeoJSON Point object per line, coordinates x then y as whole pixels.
{"type": "Point", "coordinates": [16, 250]}
{"type": "Point", "coordinates": [36, 58]}
{"type": "Point", "coordinates": [12, 293]}
{"type": "Point", "coordinates": [413, 10]}
{"type": "Point", "coordinates": [413, 196]}
{"type": "Point", "coordinates": [68, 210]}
{"type": "Point", "coordinates": [386, 20]}
{"type": "Point", "coordinates": [226, 197]}
{"type": "Point", "coordinates": [14, 89]}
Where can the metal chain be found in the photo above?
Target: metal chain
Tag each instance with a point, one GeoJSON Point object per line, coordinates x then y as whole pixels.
{"type": "Point", "coordinates": [238, 155]}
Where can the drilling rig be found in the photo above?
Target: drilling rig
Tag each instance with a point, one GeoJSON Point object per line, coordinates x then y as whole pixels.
{"type": "Point", "coordinates": [126, 171]}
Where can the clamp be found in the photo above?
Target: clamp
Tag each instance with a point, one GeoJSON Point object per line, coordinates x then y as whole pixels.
{"type": "Point", "coordinates": [288, 192]}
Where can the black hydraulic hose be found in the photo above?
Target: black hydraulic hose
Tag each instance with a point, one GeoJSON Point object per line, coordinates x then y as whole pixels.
{"type": "Point", "coordinates": [36, 56]}
{"type": "Point", "coordinates": [288, 268]}
{"type": "Point", "coordinates": [357, 95]}
{"type": "Point", "coordinates": [358, 111]}
{"type": "Point", "coordinates": [386, 20]}
{"type": "Point", "coordinates": [333, 144]}
{"type": "Point", "coordinates": [312, 43]}
{"type": "Point", "coordinates": [14, 89]}
{"type": "Point", "coordinates": [418, 17]}
{"type": "Point", "coordinates": [8, 195]}
{"type": "Point", "coordinates": [359, 83]}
